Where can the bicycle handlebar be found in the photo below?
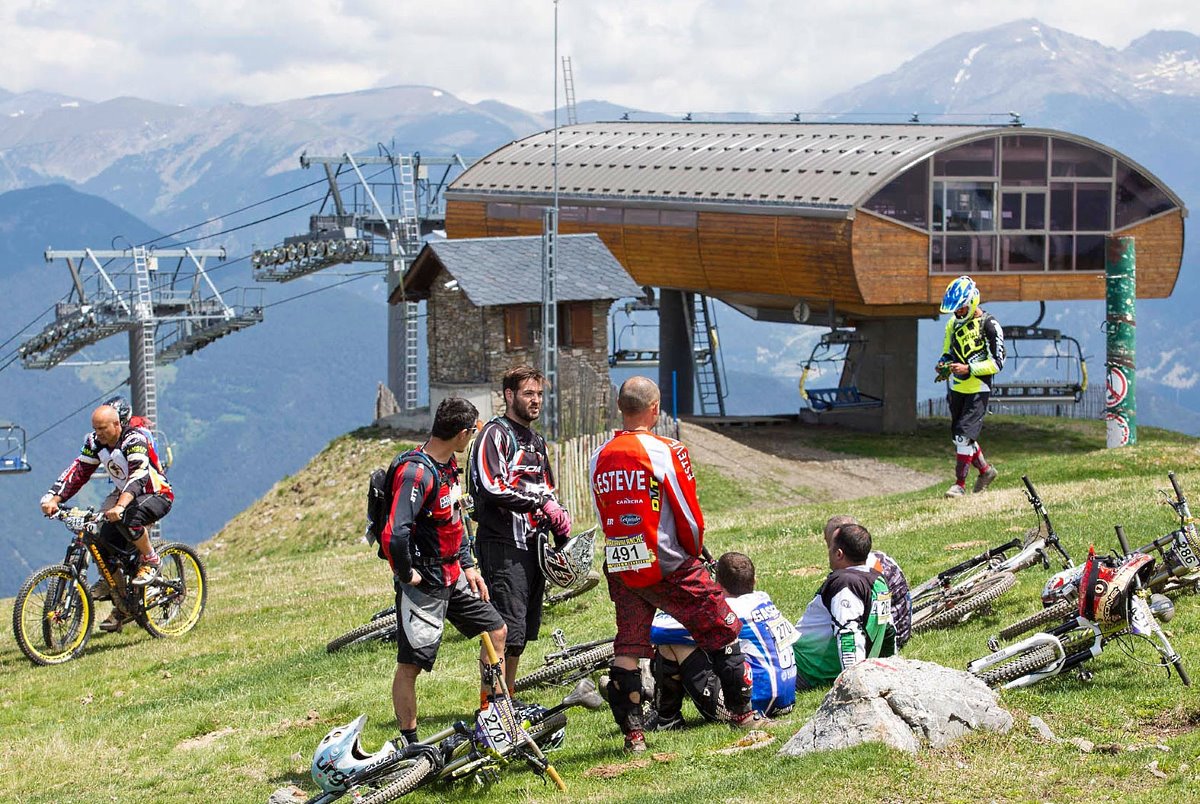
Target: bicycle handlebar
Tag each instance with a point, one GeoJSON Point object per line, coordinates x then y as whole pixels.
{"type": "Point", "coordinates": [1051, 534]}
{"type": "Point", "coordinates": [1122, 540]}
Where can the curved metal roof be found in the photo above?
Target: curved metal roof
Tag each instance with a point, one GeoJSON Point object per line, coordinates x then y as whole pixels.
{"type": "Point", "coordinates": [813, 168]}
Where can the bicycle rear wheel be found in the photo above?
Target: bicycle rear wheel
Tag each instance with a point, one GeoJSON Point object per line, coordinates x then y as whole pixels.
{"type": "Point", "coordinates": [52, 616]}
{"type": "Point", "coordinates": [1028, 661]}
{"type": "Point", "coordinates": [174, 602]}
{"type": "Point", "coordinates": [568, 670]}
{"type": "Point", "coordinates": [1056, 613]}
{"type": "Point", "coordinates": [412, 778]}
{"type": "Point", "coordinates": [961, 601]}
{"type": "Point", "coordinates": [376, 629]}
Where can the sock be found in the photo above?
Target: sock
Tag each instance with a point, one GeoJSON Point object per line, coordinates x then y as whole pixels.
{"type": "Point", "coordinates": [409, 735]}
{"type": "Point", "coordinates": [961, 467]}
{"type": "Point", "coordinates": [978, 461]}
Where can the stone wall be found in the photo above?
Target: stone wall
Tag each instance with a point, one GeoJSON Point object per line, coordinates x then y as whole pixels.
{"type": "Point", "coordinates": [466, 347]}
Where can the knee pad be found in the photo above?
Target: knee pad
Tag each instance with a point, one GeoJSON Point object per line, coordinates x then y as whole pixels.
{"type": "Point", "coordinates": [702, 684]}
{"type": "Point", "coordinates": [625, 698]}
{"type": "Point", "coordinates": [964, 446]}
{"type": "Point", "coordinates": [668, 686]}
{"type": "Point", "coordinates": [730, 667]}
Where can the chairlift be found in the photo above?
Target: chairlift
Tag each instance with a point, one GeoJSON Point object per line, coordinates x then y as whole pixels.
{"type": "Point", "coordinates": [1046, 349]}
{"type": "Point", "coordinates": [624, 354]}
{"type": "Point", "coordinates": [838, 347]}
{"type": "Point", "coordinates": [12, 449]}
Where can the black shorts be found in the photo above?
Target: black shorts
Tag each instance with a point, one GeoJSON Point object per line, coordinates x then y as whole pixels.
{"type": "Point", "coordinates": [143, 510]}
{"type": "Point", "coordinates": [517, 587]}
{"type": "Point", "coordinates": [421, 614]}
{"type": "Point", "coordinates": [967, 412]}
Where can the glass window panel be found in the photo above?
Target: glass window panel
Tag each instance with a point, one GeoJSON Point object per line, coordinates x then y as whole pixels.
{"type": "Point", "coordinates": [970, 253]}
{"type": "Point", "coordinates": [1023, 161]}
{"type": "Point", "coordinates": [670, 217]}
{"type": "Point", "coordinates": [504, 211]}
{"type": "Point", "coordinates": [1062, 249]}
{"type": "Point", "coordinates": [641, 217]}
{"type": "Point", "coordinates": [1073, 159]}
{"type": "Point", "coordinates": [1023, 253]}
{"type": "Point", "coordinates": [1092, 207]}
{"type": "Point", "coordinates": [906, 197]}
{"type": "Point", "coordinates": [1035, 210]}
{"type": "Point", "coordinates": [937, 252]}
{"type": "Point", "coordinates": [973, 159]}
{"type": "Point", "coordinates": [1137, 197]}
{"type": "Point", "coordinates": [1062, 207]}
{"type": "Point", "coordinates": [965, 206]}
{"type": "Point", "coordinates": [604, 214]}
{"type": "Point", "coordinates": [533, 212]}
{"type": "Point", "coordinates": [1089, 252]}
{"type": "Point", "coordinates": [572, 214]}
{"type": "Point", "coordinates": [1010, 211]}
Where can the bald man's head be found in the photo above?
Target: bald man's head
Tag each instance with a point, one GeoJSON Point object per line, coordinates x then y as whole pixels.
{"type": "Point", "coordinates": [636, 396]}
{"type": "Point", "coordinates": [107, 424]}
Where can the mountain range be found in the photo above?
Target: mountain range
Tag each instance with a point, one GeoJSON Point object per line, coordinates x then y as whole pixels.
{"type": "Point", "coordinates": [255, 406]}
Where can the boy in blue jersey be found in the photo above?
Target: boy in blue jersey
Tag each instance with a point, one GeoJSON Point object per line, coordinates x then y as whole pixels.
{"type": "Point", "coordinates": [766, 639]}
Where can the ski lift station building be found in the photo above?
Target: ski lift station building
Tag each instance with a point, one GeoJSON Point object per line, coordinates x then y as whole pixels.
{"type": "Point", "coordinates": [859, 225]}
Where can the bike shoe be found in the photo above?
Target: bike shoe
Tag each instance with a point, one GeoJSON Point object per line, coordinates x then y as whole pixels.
{"type": "Point", "coordinates": [635, 742]}
{"type": "Point", "coordinates": [985, 479]}
{"type": "Point", "coordinates": [147, 572]}
{"type": "Point", "coordinates": [955, 491]}
{"type": "Point", "coordinates": [674, 723]}
{"type": "Point", "coordinates": [747, 721]}
{"type": "Point", "coordinates": [112, 624]}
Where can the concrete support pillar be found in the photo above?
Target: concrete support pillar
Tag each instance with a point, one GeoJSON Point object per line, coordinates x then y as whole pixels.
{"type": "Point", "coordinates": [887, 368]}
{"type": "Point", "coordinates": [675, 352]}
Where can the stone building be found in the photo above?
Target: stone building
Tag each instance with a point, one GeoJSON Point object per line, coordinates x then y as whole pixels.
{"type": "Point", "coordinates": [484, 305]}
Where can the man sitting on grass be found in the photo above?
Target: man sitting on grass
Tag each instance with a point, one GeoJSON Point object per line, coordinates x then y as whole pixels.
{"type": "Point", "coordinates": [766, 638]}
{"type": "Point", "coordinates": [849, 619]}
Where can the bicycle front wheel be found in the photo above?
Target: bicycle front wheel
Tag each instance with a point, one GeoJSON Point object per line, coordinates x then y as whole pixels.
{"type": "Point", "coordinates": [52, 616]}
{"type": "Point", "coordinates": [376, 629]}
{"type": "Point", "coordinates": [174, 602]}
{"type": "Point", "coordinates": [569, 670]}
{"type": "Point", "coordinates": [412, 778]}
{"type": "Point", "coordinates": [960, 601]}
{"type": "Point", "coordinates": [1055, 613]}
{"type": "Point", "coordinates": [1028, 661]}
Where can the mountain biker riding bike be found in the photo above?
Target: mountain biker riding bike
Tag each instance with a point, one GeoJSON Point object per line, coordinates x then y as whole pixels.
{"type": "Point", "coordinates": [141, 495]}
{"type": "Point", "coordinates": [433, 569]}
{"type": "Point", "coordinates": [766, 637]}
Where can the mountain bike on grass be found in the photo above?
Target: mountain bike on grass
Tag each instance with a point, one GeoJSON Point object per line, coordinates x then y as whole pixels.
{"type": "Point", "coordinates": [1115, 607]}
{"type": "Point", "coordinates": [54, 612]}
{"type": "Point", "coordinates": [953, 595]}
{"type": "Point", "coordinates": [499, 734]}
{"type": "Point", "coordinates": [568, 663]}
{"type": "Point", "coordinates": [1178, 572]}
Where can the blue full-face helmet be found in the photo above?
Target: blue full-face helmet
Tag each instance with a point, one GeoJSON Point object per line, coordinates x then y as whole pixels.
{"type": "Point", "coordinates": [961, 292]}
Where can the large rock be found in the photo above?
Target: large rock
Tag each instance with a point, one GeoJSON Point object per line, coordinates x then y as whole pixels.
{"type": "Point", "coordinates": [902, 703]}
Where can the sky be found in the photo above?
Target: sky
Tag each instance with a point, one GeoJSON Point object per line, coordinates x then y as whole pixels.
{"type": "Point", "coordinates": [669, 55]}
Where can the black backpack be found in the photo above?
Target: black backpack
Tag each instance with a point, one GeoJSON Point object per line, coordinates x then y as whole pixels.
{"type": "Point", "coordinates": [379, 492]}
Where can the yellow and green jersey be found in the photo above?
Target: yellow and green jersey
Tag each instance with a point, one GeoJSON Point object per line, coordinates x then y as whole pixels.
{"type": "Point", "coordinates": [978, 342]}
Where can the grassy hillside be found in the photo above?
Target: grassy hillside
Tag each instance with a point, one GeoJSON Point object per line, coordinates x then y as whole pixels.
{"type": "Point", "coordinates": [234, 709]}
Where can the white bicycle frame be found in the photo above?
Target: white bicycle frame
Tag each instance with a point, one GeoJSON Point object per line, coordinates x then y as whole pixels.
{"type": "Point", "coordinates": [1054, 668]}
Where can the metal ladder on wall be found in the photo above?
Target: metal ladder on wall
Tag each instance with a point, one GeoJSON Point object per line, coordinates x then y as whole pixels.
{"type": "Point", "coordinates": [144, 311]}
{"type": "Point", "coordinates": [569, 91]}
{"type": "Point", "coordinates": [706, 352]}
{"type": "Point", "coordinates": [410, 242]}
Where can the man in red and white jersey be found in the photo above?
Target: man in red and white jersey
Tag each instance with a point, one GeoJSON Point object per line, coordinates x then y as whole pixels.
{"type": "Point", "coordinates": [645, 493]}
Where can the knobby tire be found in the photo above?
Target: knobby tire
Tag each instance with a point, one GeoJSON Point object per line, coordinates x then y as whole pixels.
{"type": "Point", "coordinates": [1058, 612]}
{"type": "Point", "coordinates": [50, 644]}
{"type": "Point", "coordinates": [408, 781]}
{"type": "Point", "coordinates": [376, 629]}
{"type": "Point", "coordinates": [1022, 664]}
{"type": "Point", "coordinates": [563, 672]}
{"type": "Point", "coordinates": [170, 612]}
{"type": "Point", "coordinates": [984, 592]}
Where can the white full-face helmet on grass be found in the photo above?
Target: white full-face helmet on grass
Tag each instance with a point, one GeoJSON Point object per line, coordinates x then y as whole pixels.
{"type": "Point", "coordinates": [340, 754]}
{"type": "Point", "coordinates": [568, 565]}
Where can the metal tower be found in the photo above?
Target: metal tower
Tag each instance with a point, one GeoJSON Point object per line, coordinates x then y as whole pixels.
{"type": "Point", "coordinates": [398, 206]}
{"type": "Point", "coordinates": [569, 90]}
{"type": "Point", "coordinates": [168, 313]}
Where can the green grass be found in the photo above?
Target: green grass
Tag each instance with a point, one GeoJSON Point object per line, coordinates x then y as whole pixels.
{"type": "Point", "coordinates": [234, 710]}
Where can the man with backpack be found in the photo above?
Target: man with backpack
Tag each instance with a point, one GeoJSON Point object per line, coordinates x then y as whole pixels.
{"type": "Point", "coordinates": [421, 537]}
{"type": "Point", "coordinates": [972, 354]}
{"type": "Point", "coordinates": [512, 486]}
{"type": "Point", "coordinates": [849, 619]}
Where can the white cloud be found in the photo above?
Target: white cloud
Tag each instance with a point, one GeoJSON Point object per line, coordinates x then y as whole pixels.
{"type": "Point", "coordinates": [671, 55]}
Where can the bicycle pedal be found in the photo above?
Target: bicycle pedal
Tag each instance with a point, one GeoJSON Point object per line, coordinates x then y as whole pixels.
{"type": "Point", "coordinates": [993, 644]}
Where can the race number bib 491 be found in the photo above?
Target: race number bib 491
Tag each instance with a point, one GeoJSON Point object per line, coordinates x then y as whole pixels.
{"type": "Point", "coordinates": [626, 554]}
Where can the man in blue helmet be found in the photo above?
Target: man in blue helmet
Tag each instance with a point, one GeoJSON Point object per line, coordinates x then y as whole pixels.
{"type": "Point", "coordinates": [972, 351]}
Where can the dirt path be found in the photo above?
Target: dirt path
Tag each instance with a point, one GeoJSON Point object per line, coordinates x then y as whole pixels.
{"type": "Point", "coordinates": [795, 473]}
